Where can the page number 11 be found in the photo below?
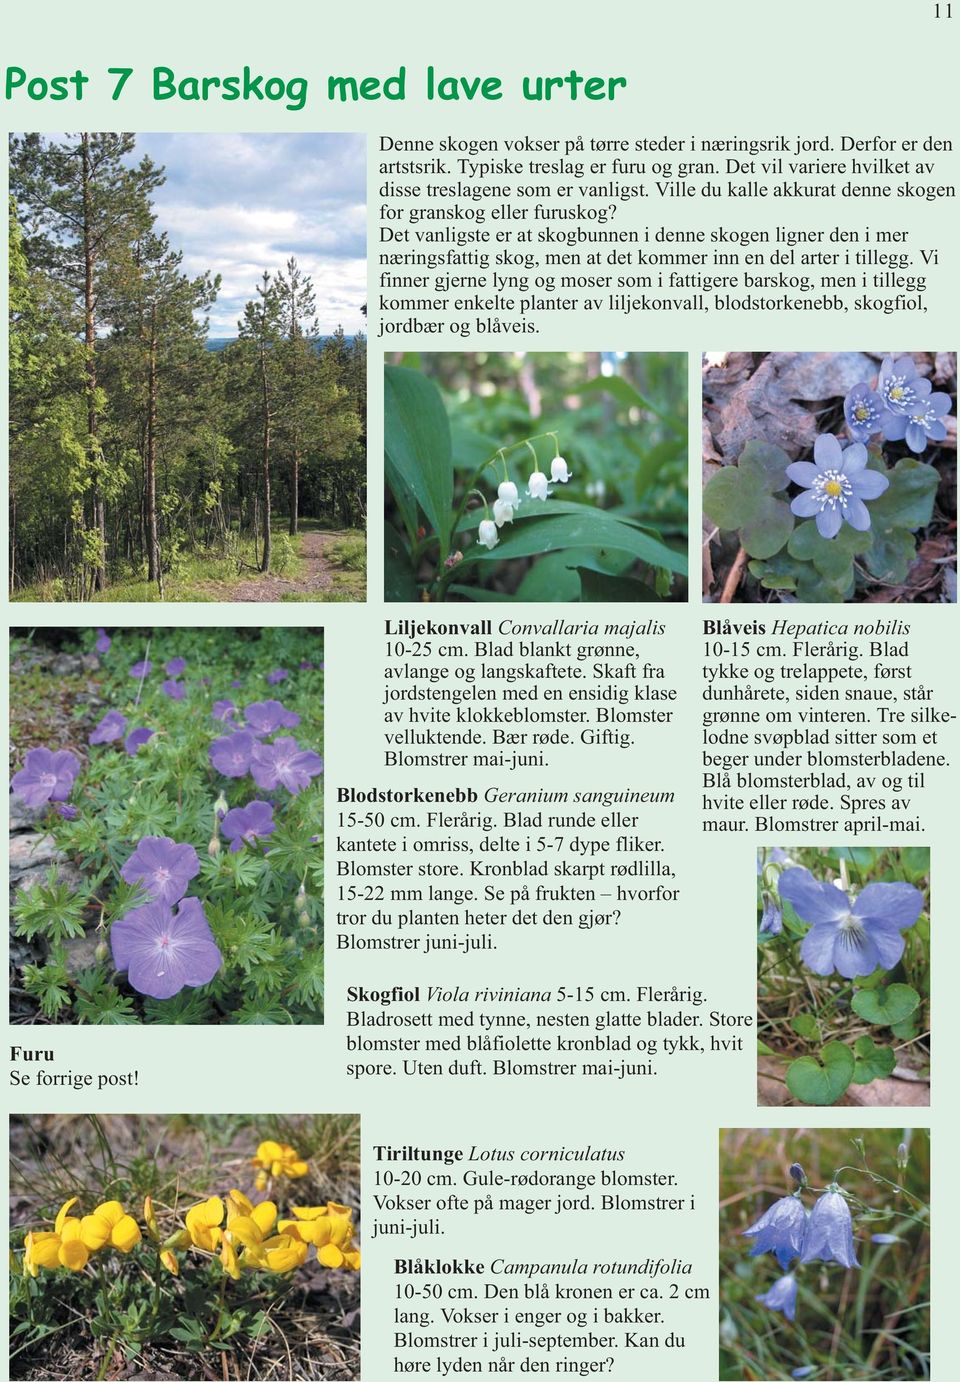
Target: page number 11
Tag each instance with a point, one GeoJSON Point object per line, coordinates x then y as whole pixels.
{"type": "Point", "coordinates": [943, 11]}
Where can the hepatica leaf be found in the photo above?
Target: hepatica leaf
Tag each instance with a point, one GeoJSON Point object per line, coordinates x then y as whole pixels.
{"type": "Point", "coordinates": [743, 498]}
{"type": "Point", "coordinates": [887, 1006]}
{"type": "Point", "coordinates": [908, 500]}
{"type": "Point", "coordinates": [832, 557]}
{"type": "Point", "coordinates": [821, 1081]}
{"type": "Point", "coordinates": [872, 1062]}
{"type": "Point", "coordinates": [805, 1025]}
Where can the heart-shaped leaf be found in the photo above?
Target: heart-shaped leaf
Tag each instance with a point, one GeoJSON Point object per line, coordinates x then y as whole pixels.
{"type": "Point", "coordinates": [873, 1062]}
{"type": "Point", "coordinates": [805, 1025]}
{"type": "Point", "coordinates": [908, 500]}
{"type": "Point", "coordinates": [883, 1007]}
{"type": "Point", "coordinates": [741, 497]}
{"type": "Point", "coordinates": [814, 1083]}
{"type": "Point", "coordinates": [833, 557]}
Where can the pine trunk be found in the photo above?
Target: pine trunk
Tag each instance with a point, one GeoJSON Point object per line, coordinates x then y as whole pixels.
{"type": "Point", "coordinates": [265, 386]}
{"type": "Point", "coordinates": [153, 556]}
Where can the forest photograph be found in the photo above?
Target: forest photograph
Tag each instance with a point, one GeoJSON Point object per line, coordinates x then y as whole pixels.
{"type": "Point", "coordinates": [187, 367]}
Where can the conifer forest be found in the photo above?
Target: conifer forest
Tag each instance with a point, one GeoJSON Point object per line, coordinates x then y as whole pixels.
{"type": "Point", "coordinates": [149, 458]}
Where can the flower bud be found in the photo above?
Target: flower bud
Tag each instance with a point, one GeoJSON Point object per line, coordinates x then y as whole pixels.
{"type": "Point", "coordinates": [213, 848]}
{"type": "Point", "coordinates": [301, 899]}
{"type": "Point", "coordinates": [903, 1156]}
{"type": "Point", "coordinates": [487, 534]}
{"type": "Point", "coordinates": [101, 952]}
{"type": "Point", "coordinates": [798, 1173]}
{"type": "Point", "coordinates": [559, 471]}
{"type": "Point", "coordinates": [537, 485]}
{"type": "Point", "coordinates": [507, 492]}
{"type": "Point", "coordinates": [220, 807]}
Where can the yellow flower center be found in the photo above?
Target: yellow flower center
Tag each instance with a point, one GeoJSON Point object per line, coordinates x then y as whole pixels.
{"type": "Point", "coordinates": [833, 487]}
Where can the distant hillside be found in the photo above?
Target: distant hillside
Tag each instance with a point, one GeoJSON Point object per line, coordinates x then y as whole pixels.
{"type": "Point", "coordinates": [221, 342]}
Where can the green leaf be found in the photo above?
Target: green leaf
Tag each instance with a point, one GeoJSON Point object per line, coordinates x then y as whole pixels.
{"type": "Point", "coordinates": [470, 449]}
{"type": "Point", "coordinates": [873, 1062]}
{"type": "Point", "coordinates": [778, 572]}
{"type": "Point", "coordinates": [883, 1007]}
{"type": "Point", "coordinates": [627, 396]}
{"type": "Point", "coordinates": [598, 588]}
{"type": "Point", "coordinates": [915, 862]}
{"type": "Point", "coordinates": [805, 1025]}
{"type": "Point", "coordinates": [398, 580]}
{"type": "Point", "coordinates": [417, 445]}
{"type": "Point", "coordinates": [905, 1031]}
{"type": "Point", "coordinates": [890, 554]}
{"type": "Point", "coordinates": [908, 500]}
{"type": "Point", "coordinates": [814, 1083]}
{"type": "Point", "coordinates": [832, 557]}
{"type": "Point", "coordinates": [741, 498]}
{"type": "Point", "coordinates": [590, 528]}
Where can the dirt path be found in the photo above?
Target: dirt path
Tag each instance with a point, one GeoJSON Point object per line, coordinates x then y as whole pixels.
{"type": "Point", "coordinates": [317, 576]}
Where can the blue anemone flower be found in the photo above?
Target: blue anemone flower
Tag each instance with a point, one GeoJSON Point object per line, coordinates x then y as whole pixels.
{"type": "Point", "coordinates": [781, 1296]}
{"type": "Point", "coordinates": [780, 1230]}
{"type": "Point", "coordinates": [851, 936]}
{"type": "Point", "coordinates": [863, 410]}
{"type": "Point", "coordinates": [923, 422]}
{"type": "Point", "coordinates": [900, 386]}
{"type": "Point", "coordinates": [829, 1235]}
{"type": "Point", "coordinates": [836, 482]}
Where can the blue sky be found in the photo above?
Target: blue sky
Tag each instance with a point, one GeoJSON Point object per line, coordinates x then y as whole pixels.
{"type": "Point", "coordinates": [241, 203]}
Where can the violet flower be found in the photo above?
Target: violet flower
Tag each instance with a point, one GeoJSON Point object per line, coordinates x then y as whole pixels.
{"type": "Point", "coordinates": [851, 936]}
{"type": "Point", "coordinates": [103, 642]}
{"type": "Point", "coordinates": [69, 813]}
{"type": "Point", "coordinates": [829, 1235]}
{"type": "Point", "coordinates": [175, 666]}
{"type": "Point", "coordinates": [248, 824]}
{"type": "Point", "coordinates": [174, 689]}
{"type": "Point", "coordinates": [836, 484]}
{"type": "Point", "coordinates": [782, 1296]}
{"type": "Point", "coordinates": [230, 754]}
{"type": "Point", "coordinates": [112, 726]}
{"type": "Point", "coordinates": [780, 1230]}
{"type": "Point", "coordinates": [223, 710]}
{"type": "Point", "coordinates": [162, 868]}
{"type": "Point", "coordinates": [264, 717]}
{"type": "Point", "coordinates": [45, 776]}
{"type": "Point", "coordinates": [136, 739]}
{"type": "Point", "coordinates": [771, 922]}
{"type": "Point", "coordinates": [862, 409]}
{"type": "Point", "coordinates": [277, 675]}
{"type": "Point", "coordinates": [141, 669]}
{"type": "Point", "coordinates": [164, 951]}
{"type": "Point", "coordinates": [284, 764]}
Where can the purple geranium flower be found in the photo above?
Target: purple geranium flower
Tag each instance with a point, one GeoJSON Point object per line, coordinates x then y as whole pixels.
{"type": "Point", "coordinates": [141, 669]}
{"type": "Point", "coordinates": [829, 1235]}
{"type": "Point", "coordinates": [251, 822]}
{"type": "Point", "coordinates": [222, 710]}
{"type": "Point", "coordinates": [284, 764]}
{"type": "Point", "coordinates": [234, 684]}
{"type": "Point", "coordinates": [69, 813]}
{"type": "Point", "coordinates": [175, 666]}
{"type": "Point", "coordinates": [921, 424]}
{"type": "Point", "coordinates": [45, 776]}
{"type": "Point", "coordinates": [277, 675]}
{"type": "Point", "coordinates": [306, 666]}
{"type": "Point", "coordinates": [264, 717]}
{"type": "Point", "coordinates": [112, 726]}
{"type": "Point", "coordinates": [164, 951]}
{"type": "Point", "coordinates": [855, 936]}
{"type": "Point", "coordinates": [103, 642]}
{"type": "Point", "coordinates": [230, 754]}
{"type": "Point", "coordinates": [782, 1295]}
{"type": "Point", "coordinates": [836, 483]}
{"type": "Point", "coordinates": [863, 411]}
{"type": "Point", "coordinates": [162, 868]}
{"type": "Point", "coordinates": [780, 1230]}
{"type": "Point", "coordinates": [136, 739]}
{"type": "Point", "coordinates": [174, 689]}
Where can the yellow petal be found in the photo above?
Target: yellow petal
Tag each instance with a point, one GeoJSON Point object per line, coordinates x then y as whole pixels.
{"type": "Point", "coordinates": [314, 1211]}
{"type": "Point", "coordinates": [339, 1211]}
{"type": "Point", "coordinates": [73, 1254]}
{"type": "Point", "coordinates": [237, 1203]}
{"type": "Point", "coordinates": [228, 1260]}
{"type": "Point", "coordinates": [330, 1256]}
{"type": "Point", "coordinates": [264, 1216]}
{"type": "Point", "coordinates": [296, 1169]}
{"type": "Point", "coordinates": [261, 1181]}
{"type": "Point", "coordinates": [42, 1250]}
{"type": "Point", "coordinates": [94, 1231]}
{"type": "Point", "coordinates": [283, 1254]}
{"type": "Point", "coordinates": [289, 1228]}
{"type": "Point", "coordinates": [112, 1210]}
{"type": "Point", "coordinates": [126, 1234]}
{"type": "Point", "coordinates": [64, 1211]}
{"type": "Point", "coordinates": [169, 1260]}
{"type": "Point", "coordinates": [71, 1230]}
{"type": "Point", "coordinates": [150, 1219]}
{"type": "Point", "coordinates": [267, 1152]}
{"type": "Point", "coordinates": [245, 1230]}
{"type": "Point", "coordinates": [351, 1260]}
